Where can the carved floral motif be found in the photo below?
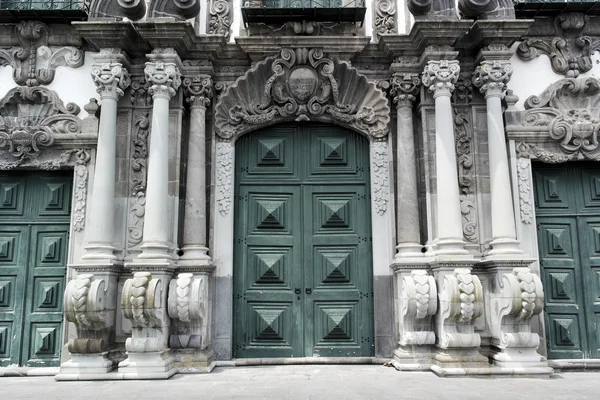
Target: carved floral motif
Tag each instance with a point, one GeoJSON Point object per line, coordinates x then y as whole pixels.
{"type": "Point", "coordinates": [220, 18]}
{"type": "Point", "coordinates": [164, 77]}
{"type": "Point", "coordinates": [491, 77]}
{"type": "Point", "coordinates": [466, 179]}
{"type": "Point", "coordinates": [524, 182]}
{"type": "Point", "coordinates": [224, 156]}
{"type": "Point", "coordinates": [139, 162]}
{"type": "Point", "coordinates": [385, 17]}
{"type": "Point", "coordinates": [34, 63]}
{"type": "Point", "coordinates": [380, 175]}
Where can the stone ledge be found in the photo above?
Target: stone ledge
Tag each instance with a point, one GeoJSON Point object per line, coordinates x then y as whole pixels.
{"type": "Point", "coordinates": [28, 371]}
{"type": "Point", "coordinates": [574, 365]}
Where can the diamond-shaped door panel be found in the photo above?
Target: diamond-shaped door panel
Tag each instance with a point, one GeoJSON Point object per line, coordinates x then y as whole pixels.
{"type": "Point", "coordinates": [566, 332]}
{"type": "Point", "coordinates": [47, 295]}
{"type": "Point", "coordinates": [561, 287]}
{"type": "Point", "coordinates": [51, 248]}
{"type": "Point", "coordinates": [552, 190]}
{"type": "Point", "coordinates": [269, 324]}
{"type": "Point", "coordinates": [335, 266]}
{"type": "Point", "coordinates": [269, 266]}
{"type": "Point", "coordinates": [556, 243]}
{"type": "Point", "coordinates": [269, 213]}
{"type": "Point", "coordinates": [336, 326]}
{"type": "Point", "coordinates": [44, 344]}
{"type": "Point", "coordinates": [12, 196]}
{"type": "Point", "coordinates": [268, 156]}
{"type": "Point", "coordinates": [590, 183]}
{"type": "Point", "coordinates": [54, 198]}
{"type": "Point", "coordinates": [335, 154]}
{"type": "Point", "coordinates": [334, 213]}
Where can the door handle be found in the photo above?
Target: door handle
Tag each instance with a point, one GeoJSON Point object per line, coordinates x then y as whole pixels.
{"type": "Point", "coordinates": [308, 290]}
{"type": "Point", "coordinates": [298, 291]}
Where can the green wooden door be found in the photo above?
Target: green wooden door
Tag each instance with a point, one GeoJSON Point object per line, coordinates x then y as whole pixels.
{"type": "Point", "coordinates": [34, 230]}
{"type": "Point", "coordinates": [302, 259]}
{"type": "Point", "coordinates": [568, 224]}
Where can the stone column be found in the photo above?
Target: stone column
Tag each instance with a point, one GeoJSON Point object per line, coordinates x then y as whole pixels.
{"type": "Point", "coordinates": [111, 79]}
{"type": "Point", "coordinates": [491, 76]}
{"type": "Point", "coordinates": [90, 299]}
{"type": "Point", "coordinates": [440, 77]}
{"type": "Point", "coordinates": [198, 90]}
{"type": "Point", "coordinates": [404, 88]}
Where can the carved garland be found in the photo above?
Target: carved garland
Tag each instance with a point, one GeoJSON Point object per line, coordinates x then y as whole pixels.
{"type": "Point", "coordinates": [464, 152]}
{"type": "Point", "coordinates": [138, 171]}
{"type": "Point", "coordinates": [380, 175]}
{"type": "Point", "coordinates": [224, 155]}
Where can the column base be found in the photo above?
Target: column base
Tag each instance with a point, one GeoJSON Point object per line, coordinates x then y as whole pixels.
{"type": "Point", "coordinates": [148, 365]}
{"type": "Point", "coordinates": [195, 256]}
{"type": "Point", "coordinates": [155, 251]}
{"type": "Point", "coordinates": [518, 358]}
{"type": "Point", "coordinates": [451, 248]}
{"type": "Point", "coordinates": [99, 253]}
{"type": "Point", "coordinates": [409, 250]}
{"type": "Point", "coordinates": [413, 358]}
{"type": "Point", "coordinates": [466, 361]}
{"type": "Point", "coordinates": [194, 361]}
{"type": "Point", "coordinates": [505, 248]}
{"type": "Point", "coordinates": [82, 365]}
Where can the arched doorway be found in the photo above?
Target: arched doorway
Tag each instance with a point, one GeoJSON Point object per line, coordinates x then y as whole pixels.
{"type": "Point", "coordinates": [302, 243]}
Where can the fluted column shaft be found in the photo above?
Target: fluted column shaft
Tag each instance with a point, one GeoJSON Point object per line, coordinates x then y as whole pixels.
{"type": "Point", "coordinates": [199, 91]}
{"type": "Point", "coordinates": [404, 88]}
{"type": "Point", "coordinates": [440, 77]}
{"type": "Point", "coordinates": [111, 80]}
{"type": "Point", "coordinates": [165, 79]}
{"type": "Point", "coordinates": [491, 77]}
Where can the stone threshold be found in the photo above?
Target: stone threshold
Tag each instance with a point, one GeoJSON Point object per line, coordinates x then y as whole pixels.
{"type": "Point", "coordinates": [28, 371]}
{"type": "Point", "coordinates": [246, 362]}
{"type": "Point", "coordinates": [575, 365]}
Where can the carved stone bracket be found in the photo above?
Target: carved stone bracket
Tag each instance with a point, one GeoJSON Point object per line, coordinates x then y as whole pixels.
{"type": "Point", "coordinates": [417, 305]}
{"type": "Point", "coordinates": [569, 52]}
{"type": "Point", "coordinates": [302, 85]}
{"type": "Point", "coordinates": [188, 307]}
{"type": "Point", "coordinates": [220, 18]}
{"type": "Point", "coordinates": [34, 63]}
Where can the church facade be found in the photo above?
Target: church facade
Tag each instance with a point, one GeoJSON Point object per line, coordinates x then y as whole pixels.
{"type": "Point", "coordinates": [185, 184]}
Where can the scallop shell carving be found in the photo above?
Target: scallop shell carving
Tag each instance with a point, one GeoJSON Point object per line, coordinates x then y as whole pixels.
{"type": "Point", "coordinates": [302, 85]}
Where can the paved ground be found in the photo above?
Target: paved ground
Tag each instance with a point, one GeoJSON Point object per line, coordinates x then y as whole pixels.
{"type": "Point", "coordinates": [329, 382]}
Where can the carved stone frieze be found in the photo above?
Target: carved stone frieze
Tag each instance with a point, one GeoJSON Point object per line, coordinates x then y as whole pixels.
{"type": "Point", "coordinates": [220, 18]}
{"type": "Point", "coordinates": [561, 124]}
{"type": "Point", "coordinates": [34, 63]}
{"type": "Point", "coordinates": [188, 307]}
{"type": "Point", "coordinates": [569, 52]}
{"type": "Point", "coordinates": [385, 17]}
{"type": "Point", "coordinates": [404, 88]}
{"type": "Point", "coordinates": [380, 175]}
{"type": "Point", "coordinates": [111, 79]}
{"type": "Point", "coordinates": [224, 161]}
{"type": "Point", "coordinates": [465, 154]}
{"type": "Point", "coordinates": [139, 163]}
{"type": "Point", "coordinates": [198, 90]}
{"type": "Point", "coordinates": [418, 305]}
{"type": "Point", "coordinates": [302, 85]}
{"type": "Point", "coordinates": [32, 118]}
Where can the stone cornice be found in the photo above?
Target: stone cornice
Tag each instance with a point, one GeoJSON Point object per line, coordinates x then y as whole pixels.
{"type": "Point", "coordinates": [491, 32]}
{"type": "Point", "coordinates": [113, 34]}
{"type": "Point", "coordinates": [180, 36]}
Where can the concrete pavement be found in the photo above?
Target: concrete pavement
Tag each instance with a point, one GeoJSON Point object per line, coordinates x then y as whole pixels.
{"type": "Point", "coordinates": [330, 382]}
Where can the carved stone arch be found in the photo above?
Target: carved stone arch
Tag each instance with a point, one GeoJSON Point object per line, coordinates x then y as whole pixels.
{"type": "Point", "coordinates": [302, 85]}
{"type": "Point", "coordinates": [178, 9]}
{"type": "Point", "coordinates": [109, 9]}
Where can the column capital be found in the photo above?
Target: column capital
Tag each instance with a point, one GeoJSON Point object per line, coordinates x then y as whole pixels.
{"type": "Point", "coordinates": [165, 78]}
{"type": "Point", "coordinates": [440, 76]}
{"type": "Point", "coordinates": [111, 79]}
{"type": "Point", "coordinates": [404, 88]}
{"type": "Point", "coordinates": [491, 77]}
{"type": "Point", "coordinates": [198, 90]}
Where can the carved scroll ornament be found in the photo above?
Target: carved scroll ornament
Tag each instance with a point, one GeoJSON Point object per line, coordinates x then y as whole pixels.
{"type": "Point", "coordinates": [188, 307]}
{"type": "Point", "coordinates": [418, 304]}
{"type": "Point", "coordinates": [302, 85]}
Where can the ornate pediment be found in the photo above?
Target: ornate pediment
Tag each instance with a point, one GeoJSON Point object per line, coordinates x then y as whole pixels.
{"type": "Point", "coordinates": [302, 85]}
{"type": "Point", "coordinates": [32, 118]}
{"type": "Point", "coordinates": [561, 124]}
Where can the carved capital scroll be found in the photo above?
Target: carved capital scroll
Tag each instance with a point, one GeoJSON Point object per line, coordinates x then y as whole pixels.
{"type": "Point", "coordinates": [491, 77]}
{"type": "Point", "coordinates": [164, 77]}
{"type": "Point", "coordinates": [111, 79]}
{"type": "Point", "coordinates": [198, 90]}
{"type": "Point", "coordinates": [440, 76]}
{"type": "Point", "coordinates": [404, 88]}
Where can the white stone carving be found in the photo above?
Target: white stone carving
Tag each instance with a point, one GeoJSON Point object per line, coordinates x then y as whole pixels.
{"type": "Point", "coordinates": [144, 301]}
{"type": "Point", "coordinates": [525, 205]}
{"type": "Point", "coordinates": [81, 179]}
{"type": "Point", "coordinates": [385, 17]}
{"type": "Point", "coordinates": [188, 307]}
{"type": "Point", "coordinates": [111, 79]}
{"type": "Point", "coordinates": [466, 180]}
{"type": "Point", "coordinates": [224, 166]}
{"type": "Point", "coordinates": [461, 302]}
{"type": "Point", "coordinates": [440, 75]}
{"type": "Point", "coordinates": [90, 303]}
{"type": "Point", "coordinates": [164, 77]}
{"type": "Point", "coordinates": [220, 18]}
{"type": "Point", "coordinates": [139, 163]}
{"type": "Point", "coordinates": [380, 175]}
{"type": "Point", "coordinates": [302, 85]}
{"type": "Point", "coordinates": [418, 304]}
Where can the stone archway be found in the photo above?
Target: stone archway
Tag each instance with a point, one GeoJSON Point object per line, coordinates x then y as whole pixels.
{"type": "Point", "coordinates": [297, 85]}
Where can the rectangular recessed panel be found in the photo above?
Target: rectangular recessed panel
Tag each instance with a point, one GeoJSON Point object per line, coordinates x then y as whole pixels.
{"type": "Point", "coordinates": [12, 196]}
{"type": "Point", "coordinates": [560, 286]}
{"type": "Point", "coordinates": [334, 213]}
{"type": "Point", "coordinates": [269, 267]}
{"type": "Point", "coordinates": [51, 247]}
{"type": "Point", "coordinates": [565, 336]}
{"type": "Point", "coordinates": [335, 267]}
{"type": "Point", "coordinates": [590, 185]}
{"type": "Point", "coordinates": [552, 190]}
{"type": "Point", "coordinates": [54, 196]}
{"type": "Point", "coordinates": [336, 330]}
{"type": "Point", "coordinates": [48, 294]}
{"type": "Point", "coordinates": [555, 237]}
{"type": "Point", "coordinates": [270, 213]}
{"type": "Point", "coordinates": [8, 285]}
{"type": "Point", "coordinates": [44, 344]}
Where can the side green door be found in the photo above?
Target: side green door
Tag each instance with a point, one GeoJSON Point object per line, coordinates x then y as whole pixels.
{"type": "Point", "coordinates": [302, 260]}
{"type": "Point", "coordinates": [568, 225]}
{"type": "Point", "coordinates": [34, 230]}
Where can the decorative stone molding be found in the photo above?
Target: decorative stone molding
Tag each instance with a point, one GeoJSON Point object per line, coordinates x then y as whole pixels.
{"type": "Point", "coordinates": [90, 304]}
{"type": "Point", "coordinates": [198, 90]}
{"type": "Point", "coordinates": [111, 79]}
{"type": "Point", "coordinates": [139, 165]}
{"type": "Point", "coordinates": [144, 301]}
{"type": "Point", "coordinates": [32, 118]}
{"type": "Point", "coordinates": [34, 63]}
{"type": "Point", "coordinates": [139, 93]}
{"type": "Point", "coordinates": [188, 307]}
{"type": "Point", "coordinates": [463, 126]}
{"type": "Point", "coordinates": [463, 89]}
{"type": "Point", "coordinates": [520, 296]}
{"type": "Point", "coordinates": [432, 9]}
{"type": "Point", "coordinates": [164, 77]}
{"type": "Point", "coordinates": [220, 18]}
{"type": "Point", "coordinates": [404, 88]}
{"type": "Point", "coordinates": [524, 183]}
{"type": "Point", "coordinates": [82, 159]}
{"type": "Point", "coordinates": [440, 76]}
{"type": "Point", "coordinates": [385, 17]}
{"type": "Point", "coordinates": [302, 85]}
{"type": "Point", "coordinates": [461, 302]}
{"type": "Point", "coordinates": [491, 77]}
{"type": "Point", "coordinates": [380, 175]}
{"type": "Point", "coordinates": [177, 9]}
{"type": "Point", "coordinates": [417, 306]}
{"type": "Point", "coordinates": [561, 124]}
{"type": "Point", "coordinates": [224, 156]}
{"type": "Point", "coordinates": [569, 52]}
{"type": "Point", "coordinates": [110, 9]}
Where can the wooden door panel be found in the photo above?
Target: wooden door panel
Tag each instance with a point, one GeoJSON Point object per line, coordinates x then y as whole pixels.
{"type": "Point", "coordinates": [589, 190]}
{"type": "Point", "coordinates": [12, 197]}
{"type": "Point", "coordinates": [553, 192]}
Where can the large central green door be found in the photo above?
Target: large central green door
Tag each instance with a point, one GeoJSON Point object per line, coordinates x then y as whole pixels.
{"type": "Point", "coordinates": [34, 231]}
{"type": "Point", "coordinates": [302, 259]}
{"type": "Point", "coordinates": [568, 222]}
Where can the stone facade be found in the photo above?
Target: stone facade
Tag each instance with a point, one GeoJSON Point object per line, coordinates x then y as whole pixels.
{"type": "Point", "coordinates": [452, 125]}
